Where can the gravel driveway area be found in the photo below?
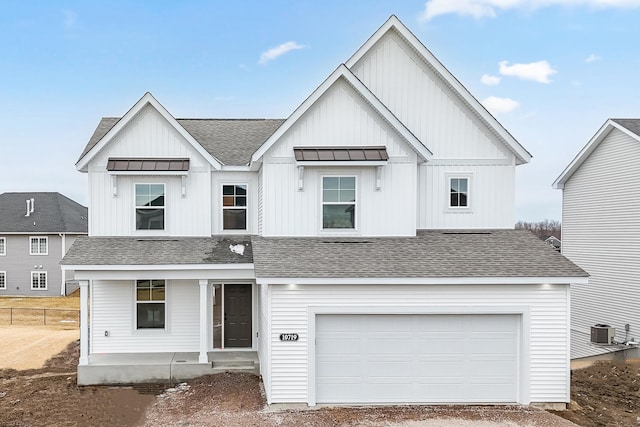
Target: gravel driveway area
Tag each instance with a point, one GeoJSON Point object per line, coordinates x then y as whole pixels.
{"type": "Point", "coordinates": [236, 399]}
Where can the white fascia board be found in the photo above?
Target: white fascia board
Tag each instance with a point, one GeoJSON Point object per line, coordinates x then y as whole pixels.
{"type": "Point", "coordinates": [163, 267]}
{"type": "Point", "coordinates": [236, 168]}
{"type": "Point", "coordinates": [424, 281]}
{"type": "Point", "coordinates": [522, 155]}
{"type": "Point", "coordinates": [147, 99]}
{"type": "Point", "coordinates": [343, 72]}
{"type": "Point", "coordinates": [589, 148]}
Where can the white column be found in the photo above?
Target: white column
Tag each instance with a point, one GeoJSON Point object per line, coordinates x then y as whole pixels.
{"type": "Point", "coordinates": [84, 322]}
{"type": "Point", "coordinates": [202, 358]}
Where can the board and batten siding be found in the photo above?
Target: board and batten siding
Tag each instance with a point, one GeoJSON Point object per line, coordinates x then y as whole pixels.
{"type": "Point", "coordinates": [149, 135]}
{"type": "Point", "coordinates": [548, 335]}
{"type": "Point", "coordinates": [115, 313]}
{"type": "Point", "coordinates": [601, 234]}
{"type": "Point", "coordinates": [339, 118]}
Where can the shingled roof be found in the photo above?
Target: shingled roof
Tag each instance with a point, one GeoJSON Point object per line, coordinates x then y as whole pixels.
{"type": "Point", "coordinates": [159, 251]}
{"type": "Point", "coordinates": [231, 141]}
{"type": "Point", "coordinates": [431, 254]}
{"type": "Point", "coordinates": [632, 125]}
{"type": "Point", "coordinates": [52, 213]}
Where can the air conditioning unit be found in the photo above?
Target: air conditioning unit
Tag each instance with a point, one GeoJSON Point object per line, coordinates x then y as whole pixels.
{"type": "Point", "coordinates": [602, 334]}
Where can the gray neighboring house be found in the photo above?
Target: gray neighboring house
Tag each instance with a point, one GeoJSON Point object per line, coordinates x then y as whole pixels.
{"type": "Point", "coordinates": [36, 230]}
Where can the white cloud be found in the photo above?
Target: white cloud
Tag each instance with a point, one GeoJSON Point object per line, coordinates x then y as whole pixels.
{"type": "Point", "coordinates": [489, 8]}
{"type": "Point", "coordinates": [488, 80]}
{"type": "Point", "coordinates": [275, 52]}
{"type": "Point", "coordinates": [592, 58]}
{"type": "Point", "coordinates": [500, 105]}
{"type": "Point", "coordinates": [70, 18]}
{"type": "Point", "coordinates": [537, 71]}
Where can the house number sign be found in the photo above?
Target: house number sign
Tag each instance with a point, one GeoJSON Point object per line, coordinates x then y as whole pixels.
{"type": "Point", "coordinates": [288, 337]}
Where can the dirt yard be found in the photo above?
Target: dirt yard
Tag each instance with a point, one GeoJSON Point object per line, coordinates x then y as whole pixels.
{"type": "Point", "coordinates": [25, 347]}
{"type": "Point", "coordinates": [605, 394]}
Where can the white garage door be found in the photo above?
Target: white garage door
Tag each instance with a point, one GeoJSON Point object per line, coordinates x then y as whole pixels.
{"type": "Point", "coordinates": [416, 358]}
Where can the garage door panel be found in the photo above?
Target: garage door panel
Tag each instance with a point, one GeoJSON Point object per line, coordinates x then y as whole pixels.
{"type": "Point", "coordinates": [416, 358]}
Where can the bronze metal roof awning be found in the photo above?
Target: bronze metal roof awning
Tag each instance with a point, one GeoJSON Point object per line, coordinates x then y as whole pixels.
{"type": "Point", "coordinates": [147, 165]}
{"type": "Point", "coordinates": [341, 154]}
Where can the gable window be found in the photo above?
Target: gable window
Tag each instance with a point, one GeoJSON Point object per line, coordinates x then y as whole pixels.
{"type": "Point", "coordinates": [39, 280]}
{"type": "Point", "coordinates": [3, 246]}
{"type": "Point", "coordinates": [234, 207]}
{"type": "Point", "coordinates": [38, 246]}
{"type": "Point", "coordinates": [3, 280]}
{"type": "Point", "coordinates": [150, 206]}
{"type": "Point", "coordinates": [459, 192]}
{"type": "Point", "coordinates": [150, 304]}
{"type": "Point", "coordinates": [338, 202]}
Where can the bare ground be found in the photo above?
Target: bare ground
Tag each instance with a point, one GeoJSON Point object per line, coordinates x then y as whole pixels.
{"type": "Point", "coordinates": [26, 347]}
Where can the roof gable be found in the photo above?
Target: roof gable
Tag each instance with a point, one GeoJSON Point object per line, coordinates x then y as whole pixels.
{"type": "Point", "coordinates": [110, 127]}
{"type": "Point", "coordinates": [50, 213]}
{"type": "Point", "coordinates": [343, 73]}
{"type": "Point", "coordinates": [631, 127]}
{"type": "Point", "coordinates": [456, 88]}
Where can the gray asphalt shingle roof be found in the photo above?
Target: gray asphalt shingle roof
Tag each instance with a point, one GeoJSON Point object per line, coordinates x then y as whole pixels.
{"type": "Point", "coordinates": [431, 254]}
{"type": "Point", "coordinates": [231, 141]}
{"type": "Point", "coordinates": [157, 251]}
{"type": "Point", "coordinates": [631, 124]}
{"type": "Point", "coordinates": [52, 213]}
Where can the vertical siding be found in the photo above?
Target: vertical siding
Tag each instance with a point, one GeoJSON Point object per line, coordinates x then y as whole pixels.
{"type": "Point", "coordinates": [264, 334]}
{"type": "Point", "coordinates": [150, 135]}
{"type": "Point", "coordinates": [339, 117]}
{"type": "Point", "coordinates": [18, 265]}
{"type": "Point", "coordinates": [259, 212]}
{"type": "Point", "coordinates": [601, 233]}
{"type": "Point", "coordinates": [548, 339]}
{"type": "Point", "coordinates": [116, 314]}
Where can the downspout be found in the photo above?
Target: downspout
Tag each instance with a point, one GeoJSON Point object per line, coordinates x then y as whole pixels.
{"type": "Point", "coordinates": [63, 288]}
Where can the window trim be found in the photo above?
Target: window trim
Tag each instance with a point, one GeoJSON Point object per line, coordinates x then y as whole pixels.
{"type": "Point", "coordinates": [136, 207]}
{"type": "Point", "coordinates": [356, 223]}
{"type": "Point", "coordinates": [46, 239]}
{"type": "Point", "coordinates": [136, 329]}
{"type": "Point", "coordinates": [3, 252]}
{"type": "Point", "coordinates": [222, 208]}
{"type": "Point", "coordinates": [46, 280]}
{"type": "Point", "coordinates": [3, 280]}
{"type": "Point", "coordinates": [459, 175]}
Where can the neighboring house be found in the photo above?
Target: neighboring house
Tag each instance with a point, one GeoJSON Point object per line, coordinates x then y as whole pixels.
{"type": "Point", "coordinates": [601, 233]}
{"type": "Point", "coordinates": [553, 241]}
{"type": "Point", "coordinates": [363, 249]}
{"type": "Point", "coordinates": [36, 230]}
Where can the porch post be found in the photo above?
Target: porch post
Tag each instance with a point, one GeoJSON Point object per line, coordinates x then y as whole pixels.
{"type": "Point", "coordinates": [203, 358]}
{"type": "Point", "coordinates": [84, 322]}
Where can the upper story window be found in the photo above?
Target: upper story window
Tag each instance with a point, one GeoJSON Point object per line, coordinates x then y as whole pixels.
{"type": "Point", "coordinates": [234, 207]}
{"type": "Point", "coordinates": [39, 280]}
{"type": "Point", "coordinates": [150, 206]}
{"type": "Point", "coordinates": [339, 202]}
{"type": "Point", "coordinates": [38, 245]}
{"type": "Point", "coordinates": [458, 192]}
{"type": "Point", "coordinates": [3, 246]}
{"type": "Point", "coordinates": [3, 280]}
{"type": "Point", "coordinates": [150, 304]}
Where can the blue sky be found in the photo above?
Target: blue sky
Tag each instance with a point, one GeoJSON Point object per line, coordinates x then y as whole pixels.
{"type": "Point", "coordinates": [551, 71]}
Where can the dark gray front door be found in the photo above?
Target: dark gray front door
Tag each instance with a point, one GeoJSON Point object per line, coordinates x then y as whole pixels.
{"type": "Point", "coordinates": [237, 316]}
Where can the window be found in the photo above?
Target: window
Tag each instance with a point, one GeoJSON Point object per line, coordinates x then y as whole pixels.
{"type": "Point", "coordinates": [3, 280]}
{"type": "Point", "coordinates": [459, 192]}
{"type": "Point", "coordinates": [39, 280]}
{"type": "Point", "coordinates": [338, 202]}
{"type": "Point", "coordinates": [150, 206]}
{"type": "Point", "coordinates": [38, 246]}
{"type": "Point", "coordinates": [3, 246]}
{"type": "Point", "coordinates": [234, 207]}
{"type": "Point", "coordinates": [150, 304]}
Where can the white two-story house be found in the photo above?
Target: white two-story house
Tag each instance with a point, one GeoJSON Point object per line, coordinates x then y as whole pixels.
{"type": "Point", "coordinates": [363, 249]}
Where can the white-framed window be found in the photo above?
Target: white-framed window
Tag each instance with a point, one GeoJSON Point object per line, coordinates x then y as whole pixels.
{"type": "Point", "coordinates": [38, 245]}
{"type": "Point", "coordinates": [39, 280]}
{"type": "Point", "coordinates": [150, 304]}
{"type": "Point", "coordinates": [3, 246]}
{"type": "Point", "coordinates": [338, 202]}
{"type": "Point", "coordinates": [459, 191]}
{"type": "Point", "coordinates": [3, 280]}
{"type": "Point", "coordinates": [150, 206]}
{"type": "Point", "coordinates": [234, 206]}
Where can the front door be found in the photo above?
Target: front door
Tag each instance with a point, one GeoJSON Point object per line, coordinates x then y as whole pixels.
{"type": "Point", "coordinates": [237, 316]}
